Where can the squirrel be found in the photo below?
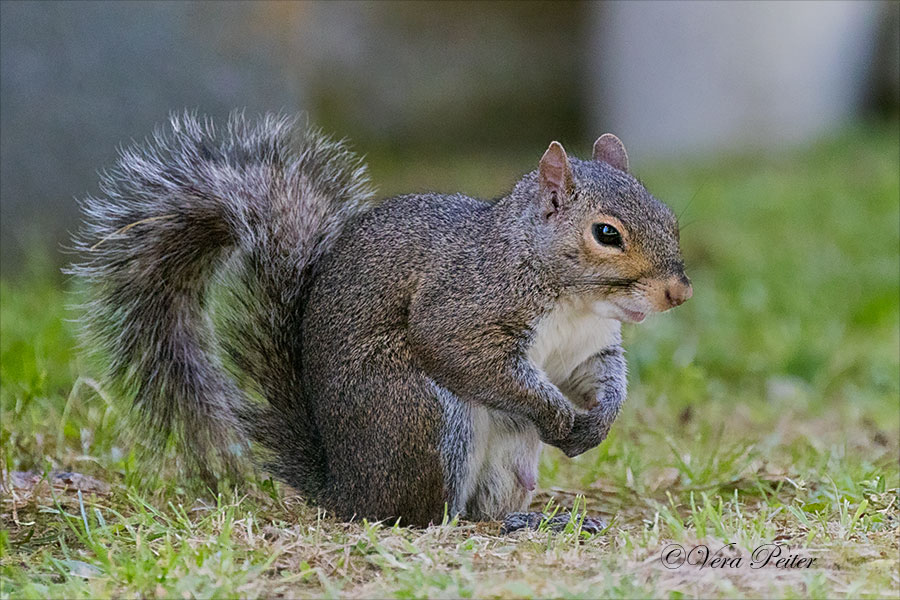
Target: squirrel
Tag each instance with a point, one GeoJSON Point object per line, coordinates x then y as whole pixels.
{"type": "Point", "coordinates": [402, 359]}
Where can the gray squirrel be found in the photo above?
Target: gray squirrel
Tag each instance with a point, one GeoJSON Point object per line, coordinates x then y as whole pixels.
{"type": "Point", "coordinates": [402, 359]}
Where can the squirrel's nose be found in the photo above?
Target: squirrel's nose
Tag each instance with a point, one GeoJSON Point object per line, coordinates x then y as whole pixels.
{"type": "Point", "coordinates": [678, 290]}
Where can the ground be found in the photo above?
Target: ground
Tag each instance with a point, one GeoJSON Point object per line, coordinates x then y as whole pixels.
{"type": "Point", "coordinates": [763, 411]}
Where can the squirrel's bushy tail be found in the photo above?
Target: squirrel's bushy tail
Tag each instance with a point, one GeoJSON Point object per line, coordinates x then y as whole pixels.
{"type": "Point", "coordinates": [264, 199]}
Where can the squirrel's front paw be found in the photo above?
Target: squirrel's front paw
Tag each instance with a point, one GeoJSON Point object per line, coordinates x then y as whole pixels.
{"type": "Point", "coordinates": [559, 422]}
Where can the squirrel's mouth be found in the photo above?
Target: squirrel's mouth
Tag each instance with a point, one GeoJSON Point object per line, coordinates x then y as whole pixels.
{"type": "Point", "coordinates": [634, 316]}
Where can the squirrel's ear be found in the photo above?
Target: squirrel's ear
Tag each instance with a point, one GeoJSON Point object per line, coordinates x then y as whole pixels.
{"type": "Point", "coordinates": [555, 176]}
{"type": "Point", "coordinates": [610, 149]}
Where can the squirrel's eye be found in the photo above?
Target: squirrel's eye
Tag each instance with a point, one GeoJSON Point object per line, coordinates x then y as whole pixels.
{"type": "Point", "coordinates": [607, 235]}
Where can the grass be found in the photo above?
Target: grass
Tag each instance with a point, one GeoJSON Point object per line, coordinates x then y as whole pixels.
{"type": "Point", "coordinates": [764, 411]}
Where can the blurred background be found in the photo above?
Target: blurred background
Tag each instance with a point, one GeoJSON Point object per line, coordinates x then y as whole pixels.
{"type": "Point", "coordinates": [448, 96]}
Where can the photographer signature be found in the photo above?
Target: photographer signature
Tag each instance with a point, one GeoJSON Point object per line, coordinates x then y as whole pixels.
{"type": "Point", "coordinates": [728, 556]}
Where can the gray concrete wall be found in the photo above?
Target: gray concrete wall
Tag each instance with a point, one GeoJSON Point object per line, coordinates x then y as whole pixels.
{"type": "Point", "coordinates": [78, 79]}
{"type": "Point", "coordinates": [676, 78]}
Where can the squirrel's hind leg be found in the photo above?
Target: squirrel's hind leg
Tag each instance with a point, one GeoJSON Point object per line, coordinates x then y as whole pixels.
{"type": "Point", "coordinates": [381, 435]}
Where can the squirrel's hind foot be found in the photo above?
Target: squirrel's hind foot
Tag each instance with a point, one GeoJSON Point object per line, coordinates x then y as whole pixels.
{"type": "Point", "coordinates": [517, 521]}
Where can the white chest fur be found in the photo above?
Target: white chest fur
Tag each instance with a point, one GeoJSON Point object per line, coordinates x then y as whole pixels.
{"type": "Point", "coordinates": [503, 462]}
{"type": "Point", "coordinates": [570, 334]}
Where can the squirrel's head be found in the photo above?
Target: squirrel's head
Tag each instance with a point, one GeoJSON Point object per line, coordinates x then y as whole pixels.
{"type": "Point", "coordinates": [608, 240]}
